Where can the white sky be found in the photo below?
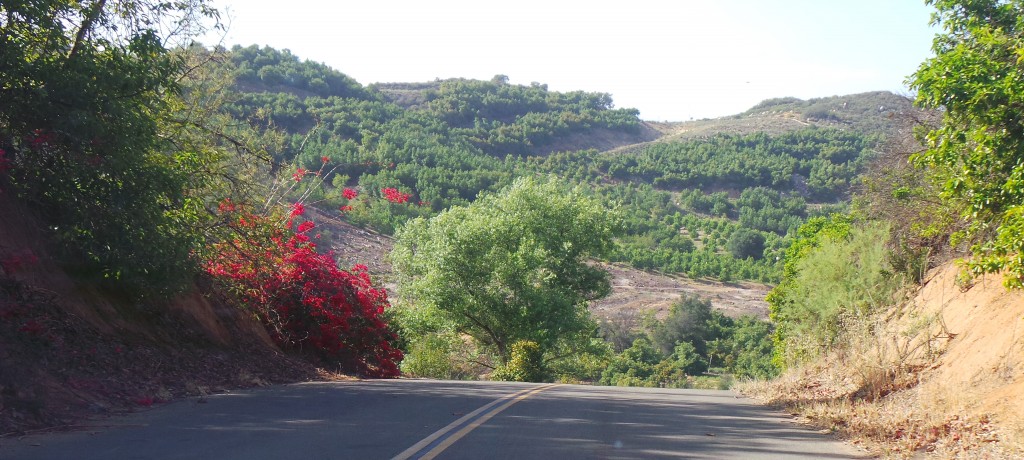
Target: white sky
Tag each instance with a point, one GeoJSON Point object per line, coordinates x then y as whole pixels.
{"type": "Point", "coordinates": [672, 60]}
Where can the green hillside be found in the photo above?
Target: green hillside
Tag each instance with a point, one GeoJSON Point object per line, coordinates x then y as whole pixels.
{"type": "Point", "coordinates": [720, 205]}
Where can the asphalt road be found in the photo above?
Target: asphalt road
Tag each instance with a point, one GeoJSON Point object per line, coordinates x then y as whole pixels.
{"type": "Point", "coordinates": [408, 419]}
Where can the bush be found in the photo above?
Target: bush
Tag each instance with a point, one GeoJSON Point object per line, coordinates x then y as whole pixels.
{"type": "Point", "coordinates": [526, 364]}
{"type": "Point", "coordinates": [436, 356]}
{"type": "Point", "coordinates": [687, 321]}
{"type": "Point", "coordinates": [843, 277]}
{"type": "Point", "coordinates": [745, 243]}
{"type": "Point", "coordinates": [306, 302]}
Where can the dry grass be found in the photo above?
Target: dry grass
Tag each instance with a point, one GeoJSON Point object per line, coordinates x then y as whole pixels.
{"type": "Point", "coordinates": [935, 377]}
{"type": "Point", "coordinates": [902, 424]}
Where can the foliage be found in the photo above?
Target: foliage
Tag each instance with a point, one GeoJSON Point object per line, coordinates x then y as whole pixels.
{"type": "Point", "coordinates": [509, 267]}
{"type": "Point", "coordinates": [907, 197]}
{"type": "Point", "coordinates": [301, 296]}
{"type": "Point", "coordinates": [583, 362]}
{"type": "Point", "coordinates": [691, 340]}
{"type": "Point", "coordinates": [633, 366]}
{"type": "Point", "coordinates": [445, 142]}
{"type": "Point", "coordinates": [438, 356]}
{"type": "Point", "coordinates": [751, 349]}
{"type": "Point", "coordinates": [658, 234]}
{"type": "Point", "coordinates": [827, 159]}
{"type": "Point", "coordinates": [269, 67]}
{"type": "Point", "coordinates": [688, 321]}
{"type": "Point", "coordinates": [526, 364]}
{"type": "Point", "coordinates": [746, 243]}
{"type": "Point", "coordinates": [975, 77]}
{"type": "Point", "coordinates": [81, 84]}
{"type": "Point", "coordinates": [837, 274]}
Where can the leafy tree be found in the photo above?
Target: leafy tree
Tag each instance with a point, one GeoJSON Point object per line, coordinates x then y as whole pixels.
{"type": "Point", "coordinates": [752, 350]}
{"type": "Point", "coordinates": [633, 366]}
{"type": "Point", "coordinates": [511, 266]}
{"type": "Point", "coordinates": [746, 243]}
{"type": "Point", "coordinates": [84, 86]}
{"type": "Point", "coordinates": [687, 321]}
{"type": "Point", "coordinates": [976, 78]}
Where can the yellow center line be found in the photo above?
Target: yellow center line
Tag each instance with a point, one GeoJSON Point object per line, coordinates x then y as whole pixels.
{"type": "Point", "coordinates": [468, 423]}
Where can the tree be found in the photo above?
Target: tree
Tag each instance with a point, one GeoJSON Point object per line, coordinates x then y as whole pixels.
{"type": "Point", "coordinates": [976, 78]}
{"type": "Point", "coordinates": [687, 321]}
{"type": "Point", "coordinates": [511, 266]}
{"type": "Point", "coordinates": [82, 84]}
{"type": "Point", "coordinates": [745, 243]}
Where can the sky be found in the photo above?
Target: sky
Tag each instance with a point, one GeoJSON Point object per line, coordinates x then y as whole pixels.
{"type": "Point", "coordinates": [672, 60]}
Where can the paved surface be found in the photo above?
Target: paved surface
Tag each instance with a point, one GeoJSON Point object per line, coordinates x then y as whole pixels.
{"type": "Point", "coordinates": [450, 420]}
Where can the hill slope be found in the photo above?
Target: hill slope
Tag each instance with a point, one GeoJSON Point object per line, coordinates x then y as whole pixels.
{"type": "Point", "coordinates": [940, 373]}
{"type": "Point", "coordinates": [69, 350]}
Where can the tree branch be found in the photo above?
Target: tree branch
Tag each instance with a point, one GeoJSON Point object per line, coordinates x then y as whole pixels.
{"type": "Point", "coordinates": [87, 24]}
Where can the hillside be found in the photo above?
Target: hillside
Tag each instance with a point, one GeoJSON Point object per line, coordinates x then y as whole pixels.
{"type": "Point", "coordinates": [687, 191]}
{"type": "Point", "coordinates": [940, 373]}
{"type": "Point", "coordinates": [870, 113]}
{"type": "Point", "coordinates": [634, 292]}
{"type": "Point", "coordinates": [186, 222]}
{"type": "Point", "coordinates": [70, 350]}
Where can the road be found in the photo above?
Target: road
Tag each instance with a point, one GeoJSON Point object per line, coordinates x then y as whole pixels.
{"type": "Point", "coordinates": [407, 419]}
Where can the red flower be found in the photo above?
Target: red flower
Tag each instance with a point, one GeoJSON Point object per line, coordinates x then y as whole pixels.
{"type": "Point", "coordinates": [299, 173]}
{"type": "Point", "coordinates": [345, 208]}
{"type": "Point", "coordinates": [306, 226]}
{"type": "Point", "coordinates": [298, 209]}
{"type": "Point", "coordinates": [324, 159]}
{"type": "Point", "coordinates": [226, 205]}
{"type": "Point", "coordinates": [349, 194]}
{"type": "Point", "coordinates": [394, 196]}
{"type": "Point", "coordinates": [40, 138]}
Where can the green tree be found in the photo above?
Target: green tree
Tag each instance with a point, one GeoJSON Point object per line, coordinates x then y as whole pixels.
{"type": "Point", "coordinates": [511, 266]}
{"type": "Point", "coordinates": [84, 84]}
{"type": "Point", "coordinates": [687, 321]}
{"type": "Point", "coordinates": [752, 349]}
{"type": "Point", "coordinates": [976, 78]}
{"type": "Point", "coordinates": [634, 366]}
{"type": "Point", "coordinates": [746, 243]}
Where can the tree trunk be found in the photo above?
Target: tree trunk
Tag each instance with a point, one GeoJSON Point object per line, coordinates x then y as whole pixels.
{"type": "Point", "coordinates": [87, 24]}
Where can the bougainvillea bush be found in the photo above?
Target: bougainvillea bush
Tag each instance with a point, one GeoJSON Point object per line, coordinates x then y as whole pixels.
{"type": "Point", "coordinates": [306, 302]}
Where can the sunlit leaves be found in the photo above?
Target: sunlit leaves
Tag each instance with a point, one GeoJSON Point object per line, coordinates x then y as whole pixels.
{"type": "Point", "coordinates": [977, 79]}
{"type": "Point", "coordinates": [511, 266]}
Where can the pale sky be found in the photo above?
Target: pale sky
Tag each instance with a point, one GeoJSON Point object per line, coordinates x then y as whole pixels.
{"type": "Point", "coordinates": [672, 60]}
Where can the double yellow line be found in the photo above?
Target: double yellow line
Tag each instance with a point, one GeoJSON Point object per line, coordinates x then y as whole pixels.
{"type": "Point", "coordinates": [436, 443]}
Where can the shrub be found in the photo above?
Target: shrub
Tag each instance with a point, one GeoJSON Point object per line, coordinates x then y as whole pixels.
{"type": "Point", "coordinates": [306, 302]}
{"type": "Point", "coordinates": [745, 243]}
{"type": "Point", "coordinates": [437, 356]}
{"type": "Point", "coordinates": [842, 277]}
{"type": "Point", "coordinates": [526, 364]}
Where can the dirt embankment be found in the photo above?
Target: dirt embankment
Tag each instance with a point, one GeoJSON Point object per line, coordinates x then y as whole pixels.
{"type": "Point", "coordinates": [70, 351]}
{"type": "Point", "coordinates": [939, 375]}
